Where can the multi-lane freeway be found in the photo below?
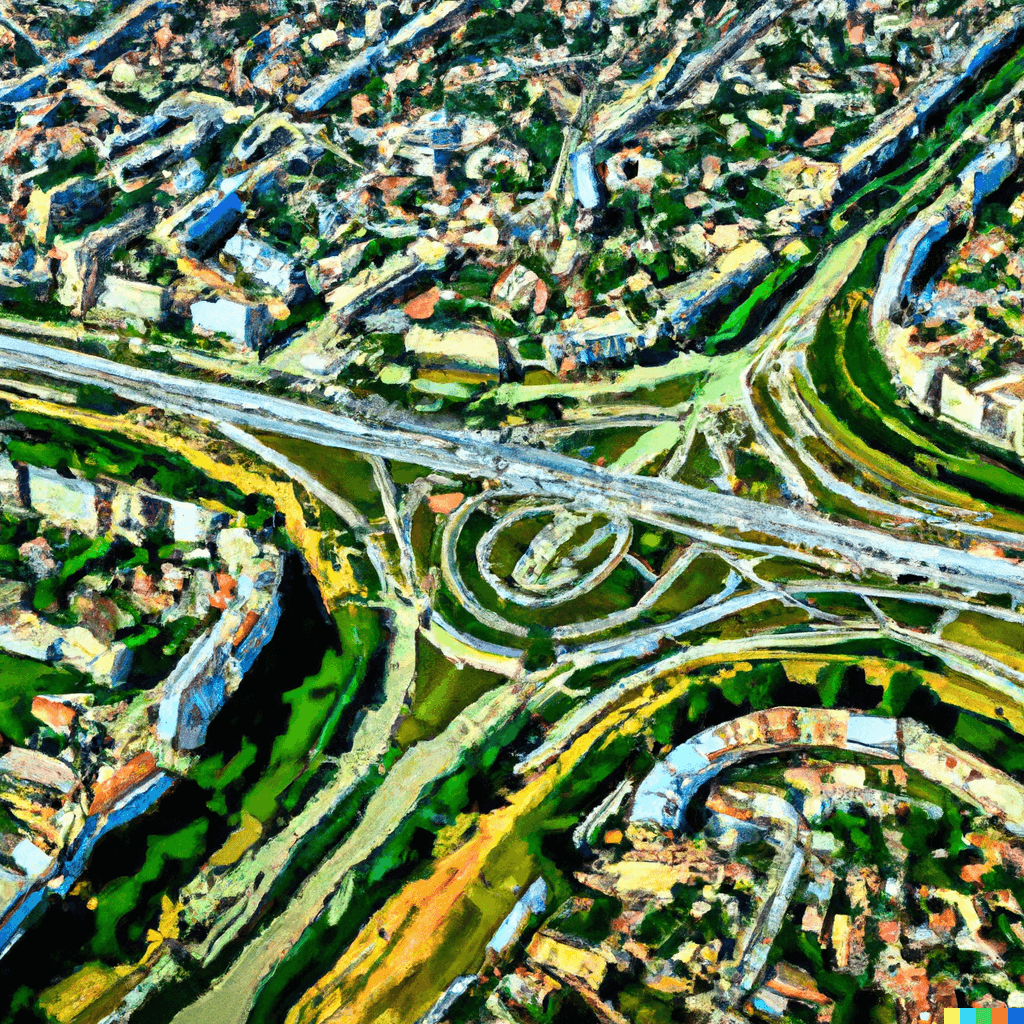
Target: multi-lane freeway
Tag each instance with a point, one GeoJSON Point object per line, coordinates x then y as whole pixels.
{"type": "Point", "coordinates": [529, 470]}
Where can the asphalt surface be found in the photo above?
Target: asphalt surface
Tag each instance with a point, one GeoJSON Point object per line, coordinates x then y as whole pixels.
{"type": "Point", "coordinates": [523, 469]}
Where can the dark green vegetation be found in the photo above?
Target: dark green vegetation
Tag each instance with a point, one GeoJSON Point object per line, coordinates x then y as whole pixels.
{"type": "Point", "coordinates": [57, 444]}
{"type": "Point", "coordinates": [342, 472]}
{"type": "Point", "coordinates": [442, 691]}
{"type": "Point", "coordinates": [20, 681]}
{"type": "Point", "coordinates": [263, 752]}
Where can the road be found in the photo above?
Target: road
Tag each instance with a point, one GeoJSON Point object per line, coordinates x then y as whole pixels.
{"type": "Point", "coordinates": [520, 469]}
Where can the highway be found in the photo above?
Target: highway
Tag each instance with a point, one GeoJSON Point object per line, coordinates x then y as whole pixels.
{"type": "Point", "coordinates": [525, 470]}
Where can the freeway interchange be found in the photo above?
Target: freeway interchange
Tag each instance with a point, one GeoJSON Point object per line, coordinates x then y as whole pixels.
{"type": "Point", "coordinates": [534, 471]}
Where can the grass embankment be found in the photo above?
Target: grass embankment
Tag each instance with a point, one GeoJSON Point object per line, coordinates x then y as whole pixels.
{"type": "Point", "coordinates": [857, 404]}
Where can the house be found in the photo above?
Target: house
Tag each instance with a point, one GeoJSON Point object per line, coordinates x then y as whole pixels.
{"type": "Point", "coordinates": [245, 324]}
{"type": "Point", "coordinates": [993, 409]}
{"type": "Point", "coordinates": [470, 351]}
{"type": "Point", "coordinates": [267, 266]}
{"type": "Point", "coordinates": [596, 339]}
{"type": "Point", "coordinates": [137, 299]}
